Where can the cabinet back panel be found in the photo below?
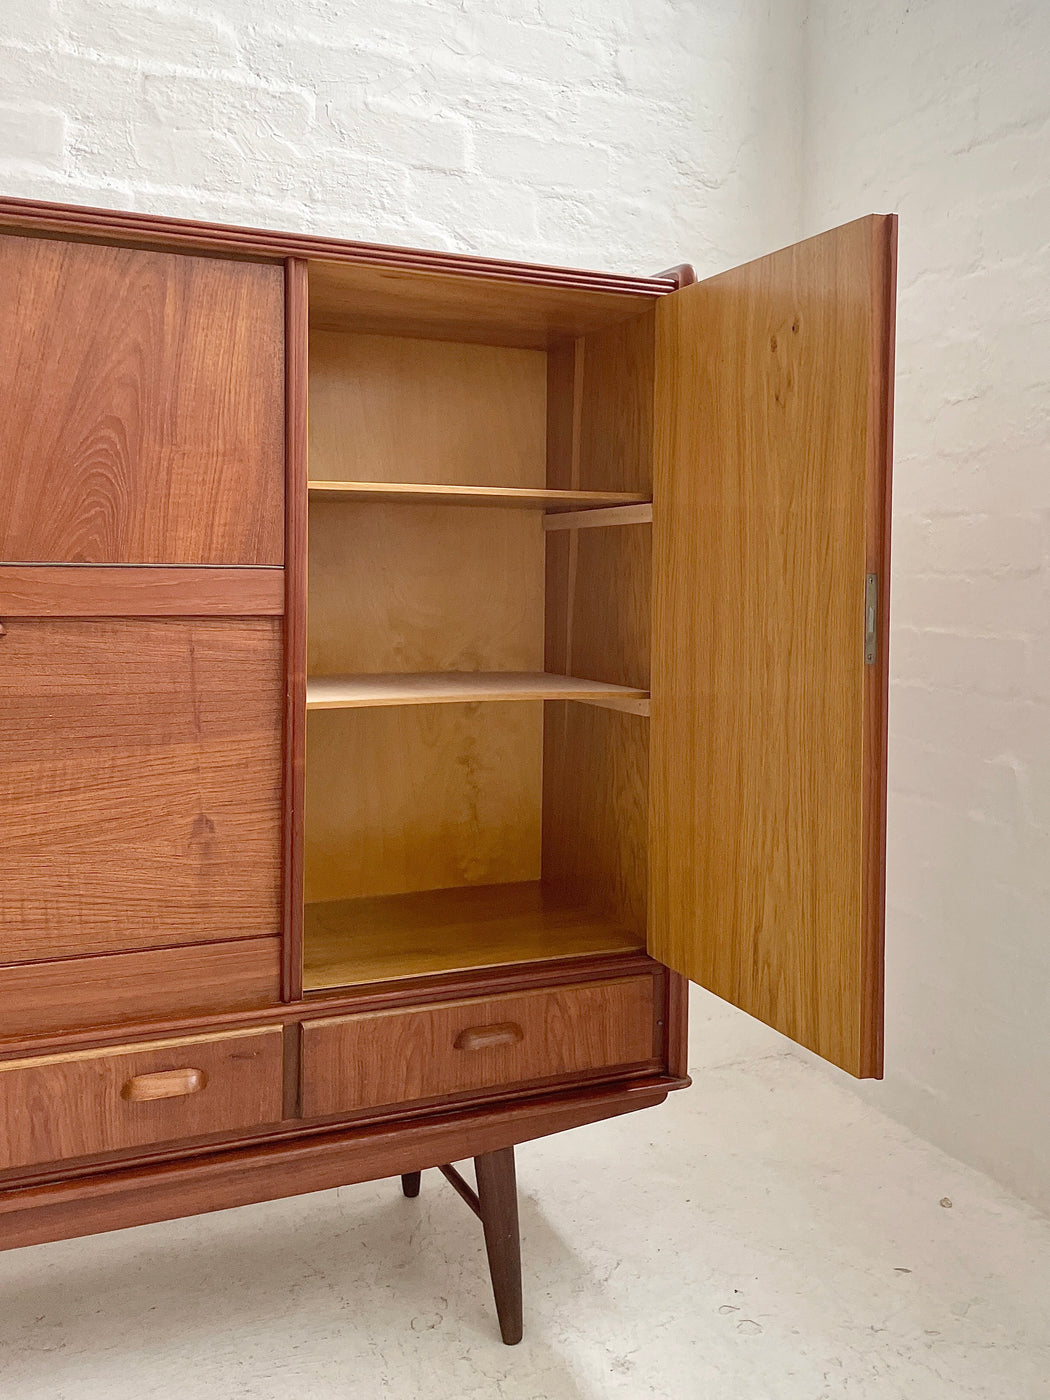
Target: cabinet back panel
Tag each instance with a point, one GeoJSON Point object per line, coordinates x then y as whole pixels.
{"type": "Point", "coordinates": [424, 588]}
{"type": "Point", "coordinates": [143, 406]}
{"type": "Point", "coordinates": [422, 797]}
{"type": "Point", "coordinates": [140, 784]}
{"type": "Point", "coordinates": [384, 408]}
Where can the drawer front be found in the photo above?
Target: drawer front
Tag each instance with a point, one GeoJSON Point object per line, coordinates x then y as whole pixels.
{"type": "Point", "coordinates": [58, 1106]}
{"type": "Point", "coordinates": [73, 994]}
{"type": "Point", "coordinates": [386, 1057]}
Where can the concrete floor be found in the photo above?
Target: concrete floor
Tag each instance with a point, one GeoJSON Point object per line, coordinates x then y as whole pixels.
{"type": "Point", "coordinates": [764, 1236]}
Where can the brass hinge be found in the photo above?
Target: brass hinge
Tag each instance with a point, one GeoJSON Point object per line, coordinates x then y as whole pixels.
{"type": "Point", "coordinates": [871, 618]}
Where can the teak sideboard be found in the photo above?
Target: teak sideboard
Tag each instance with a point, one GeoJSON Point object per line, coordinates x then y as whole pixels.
{"type": "Point", "coordinates": [414, 667]}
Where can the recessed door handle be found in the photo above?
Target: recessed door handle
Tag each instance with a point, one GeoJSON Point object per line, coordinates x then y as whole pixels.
{"type": "Point", "coordinates": [481, 1037]}
{"type": "Point", "coordinates": [166, 1084]}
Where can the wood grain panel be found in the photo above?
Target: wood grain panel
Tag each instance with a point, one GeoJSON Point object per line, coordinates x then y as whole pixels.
{"type": "Point", "coordinates": [616, 407]}
{"type": "Point", "coordinates": [598, 604]}
{"type": "Point", "coordinates": [60, 1106]}
{"type": "Point", "coordinates": [598, 592]}
{"type": "Point", "coordinates": [355, 941]}
{"type": "Point", "coordinates": [79, 590]}
{"type": "Point", "coordinates": [422, 797]}
{"type": "Point", "coordinates": [388, 409]}
{"type": "Point", "coordinates": [356, 1062]}
{"type": "Point", "coordinates": [72, 994]}
{"type": "Point", "coordinates": [771, 406]}
{"type": "Point", "coordinates": [595, 795]}
{"type": "Point", "coordinates": [139, 784]}
{"type": "Point", "coordinates": [143, 407]}
{"type": "Point", "coordinates": [424, 588]}
{"type": "Point", "coordinates": [447, 306]}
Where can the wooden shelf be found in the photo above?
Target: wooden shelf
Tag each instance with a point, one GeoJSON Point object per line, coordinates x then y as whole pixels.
{"type": "Point", "coordinates": [352, 941]}
{"type": "Point", "coordinates": [464, 688]}
{"type": "Point", "coordinates": [511, 496]}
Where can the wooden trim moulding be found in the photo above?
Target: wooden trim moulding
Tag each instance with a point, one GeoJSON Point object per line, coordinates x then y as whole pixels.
{"type": "Point", "coordinates": [296, 352]}
{"type": "Point", "coordinates": [63, 220]}
{"type": "Point", "coordinates": [141, 590]}
{"type": "Point", "coordinates": [878, 513]}
{"type": "Point", "coordinates": [114, 1200]}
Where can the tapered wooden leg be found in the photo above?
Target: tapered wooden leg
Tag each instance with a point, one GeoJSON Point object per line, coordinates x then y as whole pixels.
{"type": "Point", "coordinates": [410, 1183]}
{"type": "Point", "coordinates": [498, 1208]}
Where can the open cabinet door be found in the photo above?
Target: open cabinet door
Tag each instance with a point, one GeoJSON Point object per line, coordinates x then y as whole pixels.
{"type": "Point", "coordinates": [768, 748]}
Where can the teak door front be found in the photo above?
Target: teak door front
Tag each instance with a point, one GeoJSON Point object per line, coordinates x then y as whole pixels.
{"type": "Point", "coordinates": [143, 417]}
{"type": "Point", "coordinates": [770, 515]}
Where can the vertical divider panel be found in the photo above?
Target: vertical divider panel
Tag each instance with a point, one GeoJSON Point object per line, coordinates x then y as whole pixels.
{"type": "Point", "coordinates": [296, 351]}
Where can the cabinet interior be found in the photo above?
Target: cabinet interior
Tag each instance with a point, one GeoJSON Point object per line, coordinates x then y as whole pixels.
{"type": "Point", "coordinates": [460, 812]}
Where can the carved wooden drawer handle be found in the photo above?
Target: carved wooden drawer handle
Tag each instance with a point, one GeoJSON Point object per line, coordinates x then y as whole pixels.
{"type": "Point", "coordinates": [481, 1037]}
{"type": "Point", "coordinates": [167, 1084]}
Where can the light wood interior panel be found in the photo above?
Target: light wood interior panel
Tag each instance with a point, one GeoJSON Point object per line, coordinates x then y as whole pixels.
{"type": "Point", "coordinates": [773, 382]}
{"type": "Point", "coordinates": [598, 603]}
{"type": "Point", "coordinates": [383, 408]}
{"type": "Point", "coordinates": [597, 623]}
{"type": "Point", "coordinates": [356, 941]}
{"type": "Point", "coordinates": [595, 798]}
{"type": "Point", "coordinates": [140, 784]}
{"type": "Point", "coordinates": [600, 409]}
{"type": "Point", "coordinates": [422, 588]}
{"type": "Point", "coordinates": [356, 297]}
{"type": "Point", "coordinates": [143, 417]}
{"type": "Point", "coordinates": [422, 797]}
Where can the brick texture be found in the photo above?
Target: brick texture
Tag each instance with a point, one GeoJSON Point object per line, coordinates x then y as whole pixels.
{"type": "Point", "coordinates": [626, 135]}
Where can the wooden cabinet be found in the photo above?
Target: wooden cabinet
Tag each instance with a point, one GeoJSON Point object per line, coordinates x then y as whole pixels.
{"type": "Point", "coordinates": [414, 667]}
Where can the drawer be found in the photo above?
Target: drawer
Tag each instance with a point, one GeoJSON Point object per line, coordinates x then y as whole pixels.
{"type": "Point", "coordinates": [57, 1106]}
{"type": "Point", "coordinates": [482, 1043]}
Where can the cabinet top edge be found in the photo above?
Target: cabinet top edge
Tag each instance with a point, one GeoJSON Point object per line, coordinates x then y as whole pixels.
{"type": "Point", "coordinates": [42, 218]}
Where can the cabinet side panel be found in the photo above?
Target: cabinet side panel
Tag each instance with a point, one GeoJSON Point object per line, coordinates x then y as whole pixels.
{"type": "Point", "coordinates": [143, 406]}
{"type": "Point", "coordinates": [595, 770]}
{"type": "Point", "coordinates": [140, 781]}
{"type": "Point", "coordinates": [765, 458]}
{"type": "Point", "coordinates": [595, 798]}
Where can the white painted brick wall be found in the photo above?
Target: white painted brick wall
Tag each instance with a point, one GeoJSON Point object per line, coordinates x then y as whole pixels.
{"type": "Point", "coordinates": [622, 134]}
{"type": "Point", "coordinates": [941, 110]}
